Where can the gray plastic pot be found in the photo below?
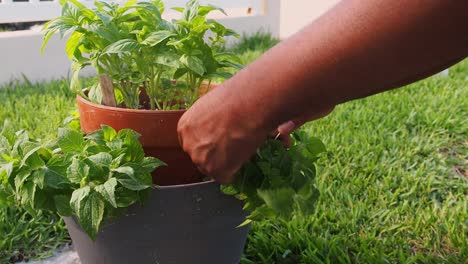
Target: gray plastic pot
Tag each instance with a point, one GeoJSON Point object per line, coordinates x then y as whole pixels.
{"type": "Point", "coordinates": [183, 224]}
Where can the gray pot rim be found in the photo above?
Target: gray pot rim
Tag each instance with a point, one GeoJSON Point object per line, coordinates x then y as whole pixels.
{"type": "Point", "coordinates": [184, 186]}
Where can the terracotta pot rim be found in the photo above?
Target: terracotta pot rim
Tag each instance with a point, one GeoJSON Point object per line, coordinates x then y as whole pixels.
{"type": "Point", "coordinates": [82, 100]}
{"type": "Point", "coordinates": [184, 186]}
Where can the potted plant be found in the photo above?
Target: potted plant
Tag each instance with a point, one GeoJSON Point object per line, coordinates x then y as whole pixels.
{"type": "Point", "coordinates": [97, 174]}
{"type": "Point", "coordinates": [150, 71]}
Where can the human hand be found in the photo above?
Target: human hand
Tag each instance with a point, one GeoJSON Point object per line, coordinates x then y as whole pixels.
{"type": "Point", "coordinates": [220, 137]}
{"type": "Point", "coordinates": [284, 130]}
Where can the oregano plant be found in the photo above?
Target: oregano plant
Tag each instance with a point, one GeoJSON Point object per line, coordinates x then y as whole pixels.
{"type": "Point", "coordinates": [279, 181]}
{"type": "Point", "coordinates": [92, 178]}
{"type": "Point", "coordinates": [96, 177]}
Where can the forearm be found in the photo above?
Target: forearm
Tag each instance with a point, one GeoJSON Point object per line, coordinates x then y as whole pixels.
{"type": "Point", "coordinates": [357, 49]}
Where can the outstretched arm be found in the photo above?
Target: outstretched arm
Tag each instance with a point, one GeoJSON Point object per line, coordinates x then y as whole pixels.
{"type": "Point", "coordinates": [358, 48]}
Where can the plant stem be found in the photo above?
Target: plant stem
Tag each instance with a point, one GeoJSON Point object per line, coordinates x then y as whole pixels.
{"type": "Point", "coordinates": [158, 79]}
{"type": "Point", "coordinates": [154, 79]}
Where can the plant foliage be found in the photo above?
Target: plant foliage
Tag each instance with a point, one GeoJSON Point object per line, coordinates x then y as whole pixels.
{"type": "Point", "coordinates": [140, 50]}
{"type": "Point", "coordinates": [279, 181]}
{"type": "Point", "coordinates": [91, 178]}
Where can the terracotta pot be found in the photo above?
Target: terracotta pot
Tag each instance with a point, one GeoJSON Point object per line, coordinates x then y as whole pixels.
{"type": "Point", "coordinates": [159, 138]}
{"type": "Point", "coordinates": [186, 224]}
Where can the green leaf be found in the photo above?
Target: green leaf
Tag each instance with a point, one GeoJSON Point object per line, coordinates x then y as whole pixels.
{"type": "Point", "coordinates": [55, 180]}
{"type": "Point", "coordinates": [245, 223]}
{"type": "Point", "coordinates": [154, 38]}
{"type": "Point", "coordinates": [95, 93]}
{"type": "Point", "coordinates": [151, 9]}
{"type": "Point", "coordinates": [151, 163]}
{"type": "Point", "coordinates": [125, 197]}
{"type": "Point", "coordinates": [219, 75]}
{"type": "Point", "coordinates": [194, 64]}
{"type": "Point", "coordinates": [117, 161]}
{"type": "Point", "coordinates": [59, 163]}
{"type": "Point", "coordinates": [109, 34]}
{"type": "Point", "coordinates": [75, 83]}
{"type": "Point", "coordinates": [72, 43]}
{"type": "Point", "coordinates": [134, 152]}
{"type": "Point", "coordinates": [315, 146]}
{"type": "Point", "coordinates": [179, 73]}
{"type": "Point", "coordinates": [21, 177]}
{"type": "Point", "coordinates": [107, 190]}
{"type": "Point", "coordinates": [191, 10]}
{"type": "Point", "coordinates": [133, 179]}
{"type": "Point", "coordinates": [38, 177]}
{"type": "Point", "coordinates": [115, 144]}
{"type": "Point", "coordinates": [21, 138]}
{"type": "Point", "coordinates": [96, 172]}
{"type": "Point", "coordinates": [70, 140]}
{"type": "Point", "coordinates": [7, 169]}
{"type": "Point", "coordinates": [91, 213]}
{"type": "Point", "coordinates": [29, 148]}
{"type": "Point", "coordinates": [178, 9]}
{"type": "Point", "coordinates": [280, 200]}
{"type": "Point", "coordinates": [77, 197]}
{"type": "Point", "coordinates": [102, 159]}
{"type": "Point", "coordinates": [27, 194]}
{"type": "Point", "coordinates": [231, 65]}
{"type": "Point", "coordinates": [167, 59]}
{"type": "Point", "coordinates": [123, 45]}
{"type": "Point", "coordinates": [79, 5]}
{"type": "Point", "coordinates": [49, 33]}
{"type": "Point", "coordinates": [6, 195]}
{"type": "Point", "coordinates": [77, 171]}
{"type": "Point", "coordinates": [34, 161]}
{"type": "Point", "coordinates": [306, 198]}
{"type": "Point", "coordinates": [205, 10]}
{"type": "Point", "coordinates": [96, 149]}
{"type": "Point", "coordinates": [108, 133]}
{"type": "Point", "coordinates": [105, 18]}
{"type": "Point", "coordinates": [5, 146]}
{"type": "Point", "coordinates": [62, 204]}
{"type": "Point", "coordinates": [8, 132]}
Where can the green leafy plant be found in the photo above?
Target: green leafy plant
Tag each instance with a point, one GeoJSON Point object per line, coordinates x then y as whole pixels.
{"type": "Point", "coordinates": [92, 178]}
{"type": "Point", "coordinates": [140, 51]}
{"type": "Point", "coordinates": [279, 181]}
{"type": "Point", "coordinates": [96, 177]}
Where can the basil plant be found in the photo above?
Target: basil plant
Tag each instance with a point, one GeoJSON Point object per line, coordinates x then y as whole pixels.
{"type": "Point", "coordinates": [170, 62]}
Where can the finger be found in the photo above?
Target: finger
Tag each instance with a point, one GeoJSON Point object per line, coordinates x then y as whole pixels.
{"type": "Point", "coordinates": [201, 170]}
{"type": "Point", "coordinates": [225, 177]}
{"type": "Point", "coordinates": [286, 139]}
{"type": "Point", "coordinates": [287, 128]}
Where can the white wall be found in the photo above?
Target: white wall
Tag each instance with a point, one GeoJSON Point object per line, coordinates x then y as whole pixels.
{"type": "Point", "coordinates": [19, 51]}
{"type": "Point", "coordinates": [295, 14]}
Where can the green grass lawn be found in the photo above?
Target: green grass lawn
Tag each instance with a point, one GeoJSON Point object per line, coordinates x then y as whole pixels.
{"type": "Point", "coordinates": [394, 183]}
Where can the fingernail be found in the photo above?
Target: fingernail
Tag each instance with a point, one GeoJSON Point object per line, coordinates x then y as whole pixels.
{"type": "Point", "coordinates": [287, 127]}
